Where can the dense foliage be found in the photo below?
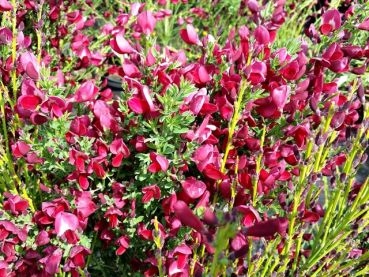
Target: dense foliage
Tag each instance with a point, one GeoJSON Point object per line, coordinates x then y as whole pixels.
{"type": "Point", "coordinates": [229, 148]}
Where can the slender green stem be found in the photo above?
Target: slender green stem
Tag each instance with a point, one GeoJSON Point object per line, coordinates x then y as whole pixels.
{"type": "Point", "coordinates": [297, 252]}
{"type": "Point", "coordinates": [14, 49]}
{"type": "Point", "coordinates": [258, 166]}
{"type": "Point", "coordinates": [270, 257]}
{"type": "Point", "coordinates": [92, 249]}
{"type": "Point", "coordinates": [5, 129]}
{"type": "Point", "coordinates": [296, 203]}
{"type": "Point", "coordinates": [235, 119]}
{"type": "Point", "coordinates": [194, 258]}
{"type": "Point", "coordinates": [158, 246]}
{"type": "Point", "coordinates": [222, 242]}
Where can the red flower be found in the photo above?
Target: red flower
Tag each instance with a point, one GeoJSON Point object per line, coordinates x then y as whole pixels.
{"type": "Point", "coordinates": [189, 35]}
{"type": "Point", "coordinates": [123, 243]}
{"type": "Point", "coordinates": [364, 25]}
{"type": "Point", "coordinates": [186, 216]}
{"type": "Point", "coordinates": [86, 92]}
{"type": "Point", "coordinates": [6, 228]}
{"type": "Point", "coordinates": [20, 149]}
{"type": "Point", "coordinates": [30, 65]}
{"type": "Point", "coordinates": [78, 159]}
{"type": "Point", "coordinates": [331, 21]}
{"type": "Point", "coordinates": [76, 257]}
{"type": "Point", "coordinates": [193, 188]}
{"type": "Point", "coordinates": [52, 260]}
{"type": "Point", "coordinates": [256, 73]}
{"type": "Point", "coordinates": [5, 6]}
{"type": "Point", "coordinates": [15, 204]}
{"type": "Point", "coordinates": [159, 163]}
{"type": "Point", "coordinates": [261, 35]}
{"type": "Point", "coordinates": [120, 149]}
{"type": "Point", "coordinates": [182, 253]}
{"type": "Point", "coordinates": [120, 44]}
{"type": "Point", "coordinates": [147, 22]}
{"type": "Point", "coordinates": [64, 222]}
{"type": "Point", "coordinates": [268, 228]}
{"type": "Point", "coordinates": [150, 192]}
{"type": "Point", "coordinates": [112, 214]}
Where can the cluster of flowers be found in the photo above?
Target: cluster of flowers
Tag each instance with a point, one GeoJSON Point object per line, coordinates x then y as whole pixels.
{"type": "Point", "coordinates": [220, 155]}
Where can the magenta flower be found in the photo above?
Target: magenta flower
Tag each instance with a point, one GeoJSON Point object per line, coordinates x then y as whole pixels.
{"type": "Point", "coordinates": [86, 92]}
{"type": "Point", "coordinates": [150, 58]}
{"type": "Point", "coordinates": [261, 35]}
{"type": "Point", "coordinates": [38, 118]}
{"type": "Point", "coordinates": [281, 55]}
{"type": "Point", "coordinates": [120, 149]}
{"type": "Point", "coordinates": [120, 44]}
{"type": "Point", "coordinates": [280, 95]}
{"type": "Point", "coordinates": [353, 52]}
{"type": "Point", "coordinates": [138, 105]}
{"type": "Point", "coordinates": [5, 6]}
{"type": "Point", "coordinates": [123, 243]}
{"type": "Point", "coordinates": [210, 218]}
{"type": "Point", "coordinates": [364, 25]}
{"type": "Point", "coordinates": [268, 228]}
{"type": "Point", "coordinates": [250, 215]}
{"type": "Point", "coordinates": [186, 216]}
{"type": "Point", "coordinates": [193, 188]}
{"type": "Point", "coordinates": [150, 192]}
{"type": "Point", "coordinates": [112, 215]}
{"type": "Point", "coordinates": [52, 261]}
{"type": "Point", "coordinates": [20, 149]}
{"type": "Point", "coordinates": [309, 216]}
{"type": "Point", "coordinates": [159, 163]}
{"type": "Point", "coordinates": [331, 21]}
{"type": "Point", "coordinates": [78, 159]}
{"type": "Point", "coordinates": [252, 144]}
{"type": "Point", "coordinates": [42, 238]}
{"type": "Point", "coordinates": [79, 125]}
{"type": "Point", "coordinates": [6, 35]}
{"type": "Point", "coordinates": [175, 270]}
{"type": "Point", "coordinates": [74, 16]}
{"type": "Point", "coordinates": [85, 207]}
{"type": "Point", "coordinates": [76, 257]}
{"type": "Point", "coordinates": [64, 222]}
{"type": "Point", "coordinates": [29, 102]}
{"type": "Point", "coordinates": [189, 35]}
{"type": "Point", "coordinates": [6, 228]}
{"type": "Point", "coordinates": [139, 144]}
{"type": "Point", "coordinates": [15, 204]}
{"type": "Point", "coordinates": [130, 70]}
{"type": "Point", "coordinates": [256, 73]}
{"type": "Point", "coordinates": [30, 65]}
{"type": "Point", "coordinates": [182, 252]}
{"type": "Point", "coordinates": [55, 106]}
{"type": "Point", "coordinates": [147, 22]}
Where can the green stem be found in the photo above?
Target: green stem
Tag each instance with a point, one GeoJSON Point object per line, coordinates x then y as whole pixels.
{"type": "Point", "coordinates": [5, 129]}
{"type": "Point", "coordinates": [159, 246]}
{"type": "Point", "coordinates": [221, 245]}
{"type": "Point", "coordinates": [270, 256]}
{"type": "Point", "coordinates": [235, 118]}
{"type": "Point", "coordinates": [166, 25]}
{"type": "Point", "coordinates": [14, 48]}
{"type": "Point", "coordinates": [92, 249]}
{"type": "Point", "coordinates": [297, 252]}
{"type": "Point", "coordinates": [258, 166]}
{"type": "Point", "coordinates": [194, 259]}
